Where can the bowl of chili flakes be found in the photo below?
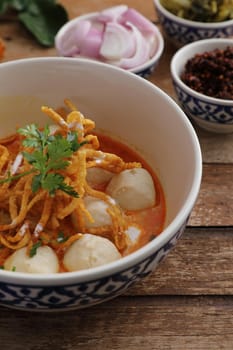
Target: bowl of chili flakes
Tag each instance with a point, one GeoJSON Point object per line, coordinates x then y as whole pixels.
{"type": "Point", "coordinates": [202, 75]}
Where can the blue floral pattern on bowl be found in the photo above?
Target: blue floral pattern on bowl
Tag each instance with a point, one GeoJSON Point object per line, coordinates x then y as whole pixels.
{"type": "Point", "coordinates": [80, 295]}
{"type": "Point", "coordinates": [206, 111]}
{"type": "Point", "coordinates": [181, 34]}
{"type": "Point", "coordinates": [145, 73]}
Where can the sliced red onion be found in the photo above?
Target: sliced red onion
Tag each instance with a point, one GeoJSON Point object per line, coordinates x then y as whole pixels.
{"type": "Point", "coordinates": [142, 52]}
{"type": "Point", "coordinates": [82, 29]}
{"type": "Point", "coordinates": [67, 42]}
{"type": "Point", "coordinates": [138, 20]}
{"type": "Point", "coordinates": [90, 46]}
{"type": "Point", "coordinates": [118, 42]}
{"type": "Point", "coordinates": [112, 14]}
{"type": "Point", "coordinates": [118, 35]}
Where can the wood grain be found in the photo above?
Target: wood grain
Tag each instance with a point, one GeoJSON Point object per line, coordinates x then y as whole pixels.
{"type": "Point", "coordinates": [179, 323]}
{"type": "Point", "coordinates": [214, 205]}
{"type": "Point", "coordinates": [200, 264]}
{"type": "Point", "coordinates": [76, 8]}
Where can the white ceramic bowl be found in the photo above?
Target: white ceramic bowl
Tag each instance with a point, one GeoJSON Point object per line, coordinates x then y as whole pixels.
{"type": "Point", "coordinates": [213, 114]}
{"type": "Point", "coordinates": [140, 114]}
{"type": "Point", "coordinates": [182, 31]}
{"type": "Point", "coordinates": [144, 70]}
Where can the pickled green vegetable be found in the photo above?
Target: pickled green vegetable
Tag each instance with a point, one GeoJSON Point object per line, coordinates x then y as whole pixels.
{"type": "Point", "coordinates": [201, 10]}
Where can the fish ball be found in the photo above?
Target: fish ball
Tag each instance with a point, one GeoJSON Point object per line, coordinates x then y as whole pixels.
{"type": "Point", "coordinates": [133, 189]}
{"type": "Point", "coordinates": [98, 210]}
{"type": "Point", "coordinates": [17, 261]}
{"type": "Point", "coordinates": [98, 176]}
{"type": "Point", "coordinates": [44, 261]}
{"type": "Point", "coordinates": [90, 251]}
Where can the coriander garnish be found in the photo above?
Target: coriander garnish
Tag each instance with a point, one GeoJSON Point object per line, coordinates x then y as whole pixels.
{"type": "Point", "coordinates": [34, 248]}
{"type": "Point", "coordinates": [48, 154]}
{"type": "Point", "coordinates": [61, 238]}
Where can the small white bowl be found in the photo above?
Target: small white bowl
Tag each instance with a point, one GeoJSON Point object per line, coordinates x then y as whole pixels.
{"type": "Point", "coordinates": [181, 31]}
{"type": "Point", "coordinates": [145, 118]}
{"type": "Point", "coordinates": [212, 114]}
{"type": "Point", "coordinates": [144, 70]}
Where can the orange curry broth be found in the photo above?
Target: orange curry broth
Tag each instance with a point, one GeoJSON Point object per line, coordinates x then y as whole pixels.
{"type": "Point", "coordinates": [150, 221]}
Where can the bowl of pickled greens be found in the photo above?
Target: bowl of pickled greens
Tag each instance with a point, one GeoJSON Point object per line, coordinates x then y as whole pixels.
{"type": "Point", "coordinates": [185, 21]}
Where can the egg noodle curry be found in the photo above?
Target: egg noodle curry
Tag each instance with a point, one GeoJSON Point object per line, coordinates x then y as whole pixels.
{"type": "Point", "coordinates": [44, 186]}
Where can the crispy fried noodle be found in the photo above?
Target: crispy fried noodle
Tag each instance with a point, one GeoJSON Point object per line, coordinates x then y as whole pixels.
{"type": "Point", "coordinates": [28, 216]}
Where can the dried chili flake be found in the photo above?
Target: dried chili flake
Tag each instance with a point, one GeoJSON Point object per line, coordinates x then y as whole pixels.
{"type": "Point", "coordinates": [211, 73]}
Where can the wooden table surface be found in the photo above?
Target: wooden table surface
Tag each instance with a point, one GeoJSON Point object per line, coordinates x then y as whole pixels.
{"type": "Point", "coordinates": [187, 303]}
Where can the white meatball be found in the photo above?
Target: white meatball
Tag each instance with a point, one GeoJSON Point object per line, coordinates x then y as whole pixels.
{"type": "Point", "coordinates": [133, 189]}
{"type": "Point", "coordinates": [98, 210]}
{"type": "Point", "coordinates": [98, 176]}
{"type": "Point", "coordinates": [44, 261]}
{"type": "Point", "coordinates": [90, 251]}
{"type": "Point", "coordinates": [17, 261]}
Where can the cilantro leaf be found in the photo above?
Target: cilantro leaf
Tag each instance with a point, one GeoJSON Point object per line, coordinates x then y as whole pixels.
{"type": "Point", "coordinates": [34, 248]}
{"type": "Point", "coordinates": [68, 190]}
{"type": "Point", "coordinates": [36, 182]}
{"type": "Point", "coordinates": [38, 159]}
{"type": "Point", "coordinates": [48, 154]}
{"type": "Point", "coordinates": [11, 178]}
{"type": "Point", "coordinates": [52, 182]}
{"type": "Point", "coordinates": [34, 137]}
{"type": "Point", "coordinates": [29, 130]}
{"type": "Point", "coordinates": [55, 181]}
{"type": "Point", "coordinates": [72, 137]}
{"type": "Point", "coordinates": [58, 149]}
{"type": "Point", "coordinates": [61, 238]}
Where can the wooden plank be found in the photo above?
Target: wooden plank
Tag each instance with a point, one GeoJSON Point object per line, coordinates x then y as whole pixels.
{"type": "Point", "coordinates": [82, 6]}
{"type": "Point", "coordinates": [20, 44]}
{"type": "Point", "coordinates": [216, 148]}
{"type": "Point", "coordinates": [189, 323]}
{"type": "Point", "coordinates": [200, 264]}
{"type": "Point", "coordinates": [214, 206]}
